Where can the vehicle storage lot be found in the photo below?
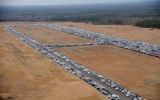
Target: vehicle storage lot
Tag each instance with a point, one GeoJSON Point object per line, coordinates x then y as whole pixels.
{"type": "Point", "coordinates": [135, 71]}
{"type": "Point", "coordinates": [49, 36]}
{"type": "Point", "coordinates": [126, 31]}
{"type": "Point", "coordinates": [27, 74]}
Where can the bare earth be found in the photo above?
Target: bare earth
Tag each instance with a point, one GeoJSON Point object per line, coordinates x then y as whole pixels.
{"type": "Point", "coordinates": [126, 31]}
{"type": "Point", "coordinates": [50, 36]}
{"type": "Point", "coordinates": [138, 72]}
{"type": "Point", "coordinates": [25, 74]}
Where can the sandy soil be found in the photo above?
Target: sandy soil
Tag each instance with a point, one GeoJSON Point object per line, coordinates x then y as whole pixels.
{"type": "Point", "coordinates": [25, 74]}
{"type": "Point", "coordinates": [126, 31]}
{"type": "Point", "coordinates": [138, 72]}
{"type": "Point", "coordinates": [50, 36]}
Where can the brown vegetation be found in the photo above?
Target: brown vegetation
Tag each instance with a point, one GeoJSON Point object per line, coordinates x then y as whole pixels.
{"type": "Point", "coordinates": [25, 74]}
{"type": "Point", "coordinates": [137, 72]}
{"type": "Point", "coordinates": [50, 36]}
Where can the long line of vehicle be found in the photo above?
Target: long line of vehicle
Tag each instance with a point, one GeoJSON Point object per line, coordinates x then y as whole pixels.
{"type": "Point", "coordinates": [97, 81]}
{"type": "Point", "coordinates": [71, 68]}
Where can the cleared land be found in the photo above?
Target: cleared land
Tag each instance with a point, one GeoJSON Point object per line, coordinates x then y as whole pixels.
{"type": "Point", "coordinates": [138, 72]}
{"type": "Point", "coordinates": [25, 74]}
{"type": "Point", "coordinates": [126, 31]}
{"type": "Point", "coordinates": [50, 36]}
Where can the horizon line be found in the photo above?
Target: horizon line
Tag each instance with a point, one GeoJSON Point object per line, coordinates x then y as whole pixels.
{"type": "Point", "coordinates": [109, 2]}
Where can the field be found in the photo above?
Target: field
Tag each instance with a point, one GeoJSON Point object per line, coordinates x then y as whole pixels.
{"type": "Point", "coordinates": [126, 31]}
{"type": "Point", "coordinates": [137, 72]}
{"type": "Point", "coordinates": [26, 74]}
{"type": "Point", "coordinates": [50, 36]}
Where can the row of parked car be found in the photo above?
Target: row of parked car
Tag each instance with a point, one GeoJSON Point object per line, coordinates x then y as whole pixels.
{"type": "Point", "coordinates": [49, 53]}
{"type": "Point", "coordinates": [107, 81]}
{"type": "Point", "coordinates": [143, 47]}
{"type": "Point", "coordinates": [68, 45]}
{"type": "Point", "coordinates": [21, 36]}
{"type": "Point", "coordinates": [100, 77]}
{"type": "Point", "coordinates": [27, 25]}
{"type": "Point", "coordinates": [80, 75]}
{"type": "Point", "coordinates": [88, 80]}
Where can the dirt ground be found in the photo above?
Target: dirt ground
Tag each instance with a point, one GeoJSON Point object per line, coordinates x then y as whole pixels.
{"type": "Point", "coordinates": [126, 31]}
{"type": "Point", "coordinates": [25, 74]}
{"type": "Point", "coordinates": [137, 72]}
{"type": "Point", "coordinates": [50, 36]}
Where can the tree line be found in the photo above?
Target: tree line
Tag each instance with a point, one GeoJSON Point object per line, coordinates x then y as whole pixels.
{"type": "Point", "coordinates": [117, 13]}
{"type": "Point", "coordinates": [97, 19]}
{"type": "Point", "coordinates": [148, 24]}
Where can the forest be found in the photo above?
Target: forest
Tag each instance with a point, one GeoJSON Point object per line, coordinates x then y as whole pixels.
{"type": "Point", "coordinates": [129, 13]}
{"type": "Point", "coordinates": [148, 24]}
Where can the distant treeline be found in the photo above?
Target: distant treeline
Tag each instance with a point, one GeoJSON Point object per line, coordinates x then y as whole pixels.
{"type": "Point", "coordinates": [97, 20]}
{"type": "Point", "coordinates": [107, 13]}
{"type": "Point", "coordinates": [148, 24]}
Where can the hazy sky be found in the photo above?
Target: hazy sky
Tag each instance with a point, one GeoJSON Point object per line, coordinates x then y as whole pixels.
{"type": "Point", "coordinates": [57, 2]}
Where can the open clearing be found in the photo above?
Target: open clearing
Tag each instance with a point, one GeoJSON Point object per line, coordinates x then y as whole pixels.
{"type": "Point", "coordinates": [50, 36]}
{"type": "Point", "coordinates": [137, 72]}
{"type": "Point", "coordinates": [126, 31]}
{"type": "Point", "coordinates": [25, 74]}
